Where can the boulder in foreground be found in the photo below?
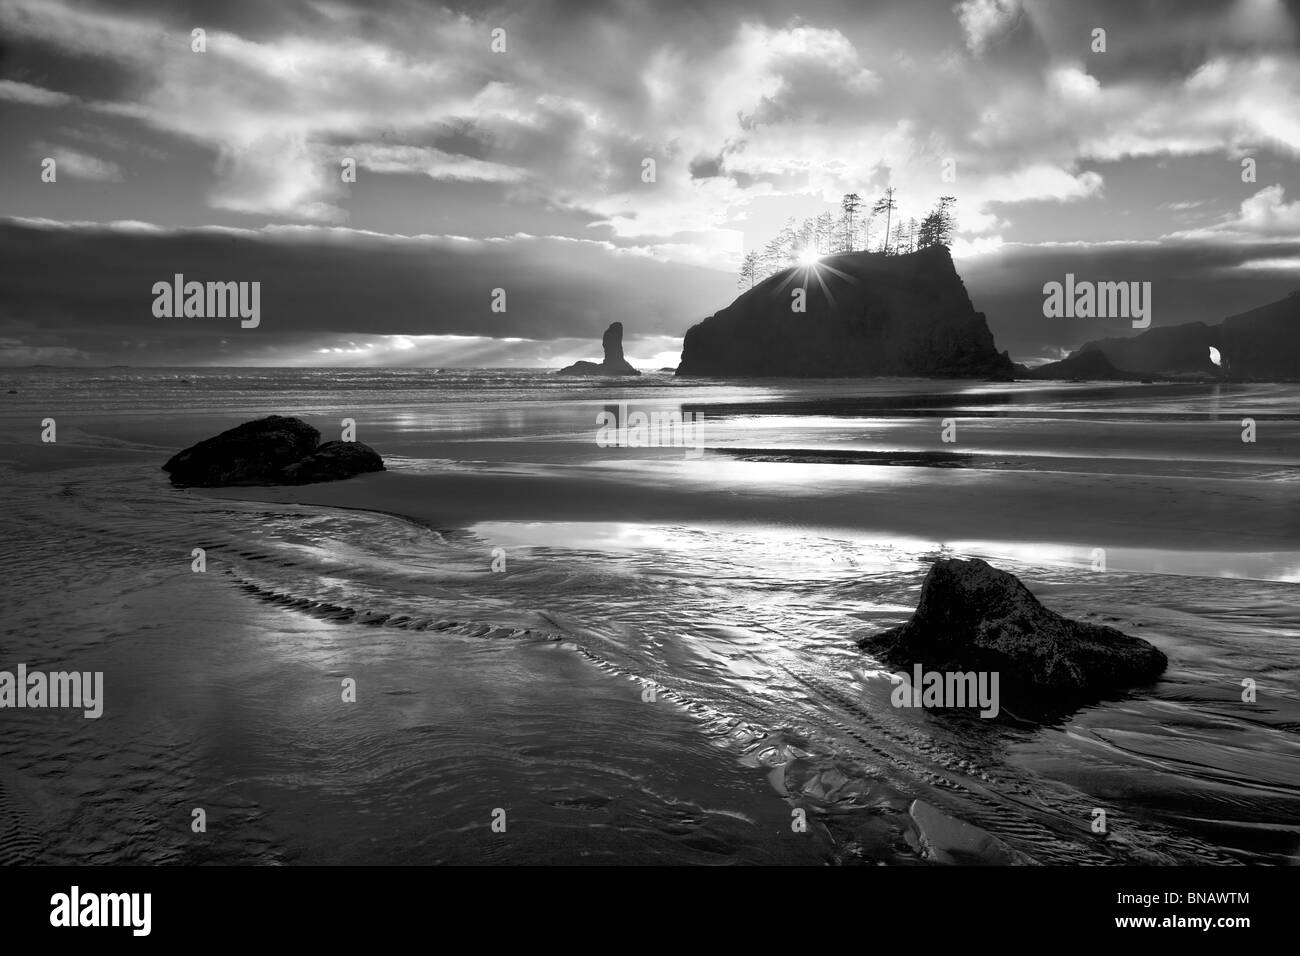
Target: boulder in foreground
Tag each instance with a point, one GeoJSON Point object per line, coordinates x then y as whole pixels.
{"type": "Point", "coordinates": [276, 450]}
{"type": "Point", "coordinates": [253, 453]}
{"type": "Point", "coordinates": [973, 617]}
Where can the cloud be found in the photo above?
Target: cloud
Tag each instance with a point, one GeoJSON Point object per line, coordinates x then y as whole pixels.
{"type": "Point", "coordinates": [1289, 264]}
{"type": "Point", "coordinates": [432, 162]}
{"type": "Point", "coordinates": [16, 92]}
{"type": "Point", "coordinates": [749, 112]}
{"type": "Point", "coordinates": [1043, 181]}
{"type": "Point", "coordinates": [785, 107]}
{"type": "Point", "coordinates": [79, 165]}
{"type": "Point", "coordinates": [962, 248]}
{"type": "Point", "coordinates": [1268, 214]}
{"type": "Point", "coordinates": [1264, 217]}
{"type": "Point", "coordinates": [985, 21]}
{"type": "Point", "coordinates": [279, 112]}
{"type": "Point", "coordinates": [271, 110]}
{"type": "Point", "coordinates": [18, 352]}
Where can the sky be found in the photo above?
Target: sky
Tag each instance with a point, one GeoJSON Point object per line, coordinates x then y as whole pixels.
{"type": "Point", "coordinates": [505, 147]}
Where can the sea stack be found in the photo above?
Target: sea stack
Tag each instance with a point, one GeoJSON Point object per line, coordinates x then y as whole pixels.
{"type": "Point", "coordinates": [863, 313]}
{"type": "Point", "coordinates": [974, 617]}
{"type": "Point", "coordinates": [614, 363]}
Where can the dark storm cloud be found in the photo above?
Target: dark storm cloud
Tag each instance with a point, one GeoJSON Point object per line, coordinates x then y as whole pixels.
{"type": "Point", "coordinates": [255, 19]}
{"type": "Point", "coordinates": [89, 289]}
{"type": "Point", "coordinates": [706, 167]}
{"type": "Point", "coordinates": [1159, 39]}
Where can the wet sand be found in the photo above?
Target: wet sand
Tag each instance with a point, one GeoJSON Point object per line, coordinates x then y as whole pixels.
{"type": "Point", "coordinates": [940, 504]}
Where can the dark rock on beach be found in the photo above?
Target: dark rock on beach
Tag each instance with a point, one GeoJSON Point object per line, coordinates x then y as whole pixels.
{"type": "Point", "coordinates": [974, 617]}
{"type": "Point", "coordinates": [332, 461]}
{"type": "Point", "coordinates": [614, 362]}
{"type": "Point", "coordinates": [275, 450]}
{"type": "Point", "coordinates": [253, 453]}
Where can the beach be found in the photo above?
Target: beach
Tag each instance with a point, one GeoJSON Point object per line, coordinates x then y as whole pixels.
{"type": "Point", "coordinates": [641, 654]}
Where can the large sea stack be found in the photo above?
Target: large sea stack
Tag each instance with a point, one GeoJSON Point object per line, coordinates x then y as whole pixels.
{"type": "Point", "coordinates": [865, 314]}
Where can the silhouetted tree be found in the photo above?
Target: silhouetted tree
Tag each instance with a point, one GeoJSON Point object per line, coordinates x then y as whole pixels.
{"type": "Point", "coordinates": [851, 203]}
{"type": "Point", "coordinates": [771, 259]}
{"type": "Point", "coordinates": [825, 233]}
{"type": "Point", "coordinates": [900, 237]}
{"type": "Point", "coordinates": [789, 239]}
{"type": "Point", "coordinates": [886, 205]}
{"type": "Point", "coordinates": [928, 234]}
{"type": "Point", "coordinates": [947, 222]}
{"type": "Point", "coordinates": [840, 235]}
{"type": "Point", "coordinates": [806, 237]}
{"type": "Point", "coordinates": [937, 227]}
